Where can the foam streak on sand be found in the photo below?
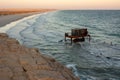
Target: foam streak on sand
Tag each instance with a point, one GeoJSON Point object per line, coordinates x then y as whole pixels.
{"type": "Point", "coordinates": [12, 24]}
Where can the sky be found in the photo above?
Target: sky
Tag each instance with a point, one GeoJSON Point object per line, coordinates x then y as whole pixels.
{"type": "Point", "coordinates": [61, 4]}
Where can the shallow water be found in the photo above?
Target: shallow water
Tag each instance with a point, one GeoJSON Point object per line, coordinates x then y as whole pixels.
{"type": "Point", "coordinates": [95, 60]}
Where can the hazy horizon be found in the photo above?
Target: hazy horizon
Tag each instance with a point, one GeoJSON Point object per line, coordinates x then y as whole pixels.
{"type": "Point", "coordinates": [61, 4]}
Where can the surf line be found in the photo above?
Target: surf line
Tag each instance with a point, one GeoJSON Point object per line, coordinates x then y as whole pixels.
{"type": "Point", "coordinates": [5, 28]}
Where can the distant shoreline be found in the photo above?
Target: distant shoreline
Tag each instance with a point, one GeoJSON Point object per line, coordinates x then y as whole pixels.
{"type": "Point", "coordinates": [8, 18]}
{"type": "Point", "coordinates": [4, 20]}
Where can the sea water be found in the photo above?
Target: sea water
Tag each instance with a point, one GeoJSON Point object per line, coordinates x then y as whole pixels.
{"type": "Point", "coordinates": [98, 59]}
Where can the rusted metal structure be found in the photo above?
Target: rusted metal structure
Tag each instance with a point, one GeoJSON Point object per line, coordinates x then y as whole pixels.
{"type": "Point", "coordinates": [77, 35]}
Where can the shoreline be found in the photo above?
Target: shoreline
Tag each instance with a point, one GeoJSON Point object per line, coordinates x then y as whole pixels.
{"type": "Point", "coordinates": [7, 19]}
{"type": "Point", "coordinates": [13, 23]}
{"type": "Point", "coordinates": [20, 62]}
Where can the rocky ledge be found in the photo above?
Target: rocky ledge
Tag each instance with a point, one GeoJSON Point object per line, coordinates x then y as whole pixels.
{"type": "Point", "coordinates": [20, 63]}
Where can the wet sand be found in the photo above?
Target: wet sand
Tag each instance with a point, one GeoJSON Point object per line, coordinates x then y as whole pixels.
{"type": "Point", "coordinates": [6, 19]}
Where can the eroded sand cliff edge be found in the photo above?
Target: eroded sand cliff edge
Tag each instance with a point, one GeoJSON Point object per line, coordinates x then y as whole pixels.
{"type": "Point", "coordinates": [20, 63]}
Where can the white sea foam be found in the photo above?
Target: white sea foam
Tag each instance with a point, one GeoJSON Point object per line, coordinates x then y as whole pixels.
{"type": "Point", "coordinates": [46, 32]}
{"type": "Point", "coordinates": [73, 68]}
{"type": "Point", "coordinates": [12, 24]}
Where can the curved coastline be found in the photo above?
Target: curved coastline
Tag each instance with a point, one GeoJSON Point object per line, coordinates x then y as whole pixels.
{"type": "Point", "coordinates": [51, 69]}
{"type": "Point", "coordinates": [11, 24]}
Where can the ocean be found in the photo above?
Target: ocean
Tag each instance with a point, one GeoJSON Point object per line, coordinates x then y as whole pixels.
{"type": "Point", "coordinates": [98, 59]}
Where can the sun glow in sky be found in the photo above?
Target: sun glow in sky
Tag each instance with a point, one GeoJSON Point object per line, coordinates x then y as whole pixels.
{"type": "Point", "coordinates": [61, 4]}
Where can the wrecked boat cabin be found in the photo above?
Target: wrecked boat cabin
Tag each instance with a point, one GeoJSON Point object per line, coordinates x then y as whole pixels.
{"type": "Point", "coordinates": [77, 35]}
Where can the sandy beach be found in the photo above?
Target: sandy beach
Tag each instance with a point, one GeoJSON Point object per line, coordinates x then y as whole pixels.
{"type": "Point", "coordinates": [10, 18]}
{"type": "Point", "coordinates": [20, 63]}
{"type": "Point", "coordinates": [13, 15]}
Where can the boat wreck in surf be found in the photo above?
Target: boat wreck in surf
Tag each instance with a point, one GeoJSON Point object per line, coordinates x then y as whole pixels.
{"type": "Point", "coordinates": [77, 35]}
